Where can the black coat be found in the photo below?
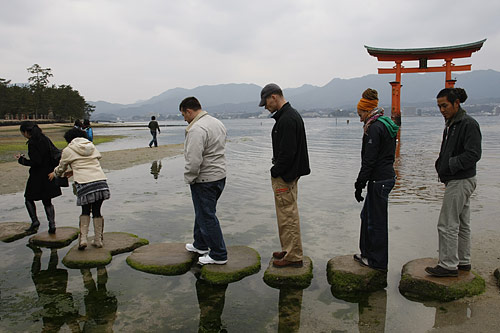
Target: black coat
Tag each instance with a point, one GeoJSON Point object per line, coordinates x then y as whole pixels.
{"type": "Point", "coordinates": [38, 186]}
{"type": "Point", "coordinates": [290, 156]}
{"type": "Point", "coordinates": [460, 148]}
{"type": "Point", "coordinates": [377, 155]}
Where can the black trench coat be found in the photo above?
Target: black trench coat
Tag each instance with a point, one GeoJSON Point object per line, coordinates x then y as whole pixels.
{"type": "Point", "coordinates": [38, 186]}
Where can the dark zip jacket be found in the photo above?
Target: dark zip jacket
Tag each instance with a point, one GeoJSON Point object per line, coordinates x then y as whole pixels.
{"type": "Point", "coordinates": [290, 157]}
{"type": "Point", "coordinates": [378, 153]}
{"type": "Point", "coordinates": [460, 148]}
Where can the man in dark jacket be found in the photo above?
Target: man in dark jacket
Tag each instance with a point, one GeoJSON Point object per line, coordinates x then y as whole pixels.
{"type": "Point", "coordinates": [377, 170]}
{"type": "Point", "coordinates": [456, 168]}
{"type": "Point", "coordinates": [290, 161]}
{"type": "Point", "coordinates": [153, 127]}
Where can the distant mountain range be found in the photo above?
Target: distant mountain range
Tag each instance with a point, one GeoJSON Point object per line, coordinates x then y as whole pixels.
{"type": "Point", "coordinates": [482, 86]}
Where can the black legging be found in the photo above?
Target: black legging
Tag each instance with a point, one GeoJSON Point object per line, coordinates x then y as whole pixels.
{"type": "Point", "coordinates": [45, 202]}
{"type": "Point", "coordinates": [95, 207]}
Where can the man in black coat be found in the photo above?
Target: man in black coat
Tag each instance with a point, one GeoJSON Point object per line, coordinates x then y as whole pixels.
{"type": "Point", "coordinates": [290, 162]}
{"type": "Point", "coordinates": [456, 168]}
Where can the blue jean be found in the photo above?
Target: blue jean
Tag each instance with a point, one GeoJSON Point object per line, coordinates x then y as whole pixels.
{"type": "Point", "coordinates": [153, 133]}
{"type": "Point", "coordinates": [374, 240]}
{"type": "Point", "coordinates": [207, 233]}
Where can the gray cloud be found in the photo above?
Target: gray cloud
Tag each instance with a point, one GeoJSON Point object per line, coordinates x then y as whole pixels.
{"type": "Point", "coordinates": [122, 51]}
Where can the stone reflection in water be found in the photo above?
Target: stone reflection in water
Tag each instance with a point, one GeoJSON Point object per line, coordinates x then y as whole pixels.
{"type": "Point", "coordinates": [290, 306]}
{"type": "Point", "coordinates": [211, 300]}
{"type": "Point", "coordinates": [372, 309]}
{"type": "Point", "coordinates": [100, 305]}
{"type": "Point", "coordinates": [51, 284]}
{"type": "Point", "coordinates": [155, 168]}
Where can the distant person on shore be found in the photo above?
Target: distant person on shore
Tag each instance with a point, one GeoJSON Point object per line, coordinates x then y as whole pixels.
{"type": "Point", "coordinates": [82, 157]}
{"type": "Point", "coordinates": [78, 124]}
{"type": "Point", "coordinates": [456, 168]}
{"type": "Point", "coordinates": [377, 170]}
{"type": "Point", "coordinates": [290, 162]}
{"type": "Point", "coordinates": [205, 172]}
{"type": "Point", "coordinates": [88, 130]}
{"type": "Point", "coordinates": [38, 187]}
{"type": "Point", "coordinates": [153, 127]}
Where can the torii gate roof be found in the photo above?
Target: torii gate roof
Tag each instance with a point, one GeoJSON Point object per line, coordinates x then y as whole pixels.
{"type": "Point", "coordinates": [443, 52]}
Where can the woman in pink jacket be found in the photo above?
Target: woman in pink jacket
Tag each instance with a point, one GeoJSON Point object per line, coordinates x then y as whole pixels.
{"type": "Point", "coordinates": [82, 157]}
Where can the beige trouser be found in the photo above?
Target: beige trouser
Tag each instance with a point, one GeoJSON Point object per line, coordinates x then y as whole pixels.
{"type": "Point", "coordinates": [285, 200]}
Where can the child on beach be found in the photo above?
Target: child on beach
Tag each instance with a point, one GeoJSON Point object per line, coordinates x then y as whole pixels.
{"type": "Point", "coordinates": [92, 189]}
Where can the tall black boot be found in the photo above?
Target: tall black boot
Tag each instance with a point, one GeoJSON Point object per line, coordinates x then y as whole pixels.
{"type": "Point", "coordinates": [51, 216]}
{"type": "Point", "coordinates": [30, 206]}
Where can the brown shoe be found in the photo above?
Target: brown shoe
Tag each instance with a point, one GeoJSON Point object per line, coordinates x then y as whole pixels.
{"type": "Point", "coordinates": [285, 263]}
{"type": "Point", "coordinates": [279, 254]}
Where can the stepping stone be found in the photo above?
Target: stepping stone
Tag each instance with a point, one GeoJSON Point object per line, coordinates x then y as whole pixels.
{"type": "Point", "coordinates": [347, 276]}
{"type": "Point", "coordinates": [63, 237]}
{"type": "Point", "coordinates": [242, 261]}
{"type": "Point", "coordinates": [417, 284]}
{"type": "Point", "coordinates": [11, 231]}
{"type": "Point", "coordinates": [114, 243]}
{"type": "Point", "coordinates": [163, 259]}
{"type": "Point", "coordinates": [497, 275]}
{"type": "Point", "coordinates": [293, 277]}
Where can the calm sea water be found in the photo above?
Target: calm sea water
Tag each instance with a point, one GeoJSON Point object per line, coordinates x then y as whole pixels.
{"type": "Point", "coordinates": [157, 206]}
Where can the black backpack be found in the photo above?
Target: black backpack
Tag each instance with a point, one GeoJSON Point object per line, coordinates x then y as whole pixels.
{"type": "Point", "coordinates": [55, 157]}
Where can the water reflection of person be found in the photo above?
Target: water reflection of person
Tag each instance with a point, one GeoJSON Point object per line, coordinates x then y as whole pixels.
{"type": "Point", "coordinates": [155, 168]}
{"type": "Point", "coordinates": [211, 299]}
{"type": "Point", "coordinates": [100, 305]}
{"type": "Point", "coordinates": [372, 312]}
{"type": "Point", "coordinates": [372, 309]}
{"type": "Point", "coordinates": [290, 306]}
{"type": "Point", "coordinates": [51, 284]}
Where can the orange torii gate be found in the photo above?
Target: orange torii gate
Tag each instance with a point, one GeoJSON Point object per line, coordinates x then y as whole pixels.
{"type": "Point", "coordinates": [422, 55]}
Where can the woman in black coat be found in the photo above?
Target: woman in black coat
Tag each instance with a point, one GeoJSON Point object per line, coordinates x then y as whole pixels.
{"type": "Point", "coordinates": [38, 186]}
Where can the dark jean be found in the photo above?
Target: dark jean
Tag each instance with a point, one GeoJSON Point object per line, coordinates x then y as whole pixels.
{"type": "Point", "coordinates": [207, 233]}
{"type": "Point", "coordinates": [373, 240]}
{"type": "Point", "coordinates": [153, 133]}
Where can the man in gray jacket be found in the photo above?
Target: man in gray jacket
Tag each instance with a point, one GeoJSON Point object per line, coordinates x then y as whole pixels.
{"type": "Point", "coordinates": [205, 172]}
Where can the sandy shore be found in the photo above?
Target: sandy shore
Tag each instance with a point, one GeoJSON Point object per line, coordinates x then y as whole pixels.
{"type": "Point", "coordinates": [13, 176]}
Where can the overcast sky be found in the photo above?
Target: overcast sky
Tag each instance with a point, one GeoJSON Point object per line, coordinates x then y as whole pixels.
{"type": "Point", "coordinates": [122, 51]}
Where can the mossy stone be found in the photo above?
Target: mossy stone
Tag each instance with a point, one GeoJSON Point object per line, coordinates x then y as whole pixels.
{"type": "Point", "coordinates": [347, 276]}
{"type": "Point", "coordinates": [293, 277]}
{"type": "Point", "coordinates": [63, 237]}
{"type": "Point", "coordinates": [417, 284]}
{"type": "Point", "coordinates": [242, 261]}
{"type": "Point", "coordinates": [163, 259]}
{"type": "Point", "coordinates": [114, 243]}
{"type": "Point", "coordinates": [11, 231]}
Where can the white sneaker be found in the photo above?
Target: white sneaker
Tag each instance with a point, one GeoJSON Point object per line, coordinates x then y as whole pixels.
{"type": "Point", "coordinates": [206, 259]}
{"type": "Point", "coordinates": [191, 248]}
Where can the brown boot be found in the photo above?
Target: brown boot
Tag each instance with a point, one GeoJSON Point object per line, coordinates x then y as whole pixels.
{"type": "Point", "coordinates": [84, 230]}
{"type": "Point", "coordinates": [98, 231]}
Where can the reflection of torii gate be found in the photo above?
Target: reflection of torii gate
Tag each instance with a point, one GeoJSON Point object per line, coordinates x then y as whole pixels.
{"type": "Point", "coordinates": [448, 53]}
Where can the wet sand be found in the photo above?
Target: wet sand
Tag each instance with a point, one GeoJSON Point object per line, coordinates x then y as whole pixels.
{"type": "Point", "coordinates": [13, 176]}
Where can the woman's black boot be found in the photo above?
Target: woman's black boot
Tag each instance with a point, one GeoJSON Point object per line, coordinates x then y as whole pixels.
{"type": "Point", "coordinates": [30, 206]}
{"type": "Point", "coordinates": [51, 216]}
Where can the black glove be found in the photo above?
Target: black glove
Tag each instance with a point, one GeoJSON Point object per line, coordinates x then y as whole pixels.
{"type": "Point", "coordinates": [357, 195]}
